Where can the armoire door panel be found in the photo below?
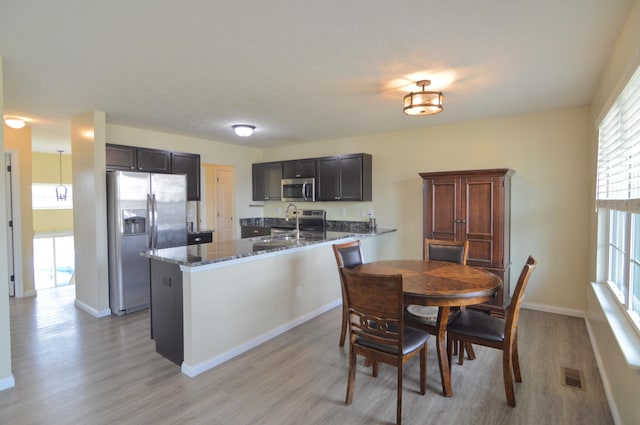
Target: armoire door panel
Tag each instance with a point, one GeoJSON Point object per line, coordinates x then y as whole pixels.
{"type": "Point", "coordinates": [479, 211]}
{"type": "Point", "coordinates": [444, 201]}
{"type": "Point", "coordinates": [480, 252]}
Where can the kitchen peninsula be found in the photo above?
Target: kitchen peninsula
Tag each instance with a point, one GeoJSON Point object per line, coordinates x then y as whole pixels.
{"type": "Point", "coordinates": [214, 301]}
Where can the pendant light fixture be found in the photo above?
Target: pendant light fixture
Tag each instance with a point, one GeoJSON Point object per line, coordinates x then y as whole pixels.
{"type": "Point", "coordinates": [61, 190]}
{"type": "Point", "coordinates": [243, 130]}
{"type": "Point", "coordinates": [423, 102]}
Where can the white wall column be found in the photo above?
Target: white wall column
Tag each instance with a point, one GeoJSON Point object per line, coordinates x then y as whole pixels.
{"type": "Point", "coordinates": [88, 137]}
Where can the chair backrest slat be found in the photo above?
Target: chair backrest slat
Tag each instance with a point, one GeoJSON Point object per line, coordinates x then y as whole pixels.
{"type": "Point", "coordinates": [441, 250]}
{"type": "Point", "coordinates": [375, 306]}
{"type": "Point", "coordinates": [348, 254]}
{"type": "Point", "coordinates": [513, 311]}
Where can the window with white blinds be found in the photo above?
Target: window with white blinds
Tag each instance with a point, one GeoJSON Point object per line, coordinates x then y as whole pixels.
{"type": "Point", "coordinates": [619, 152]}
{"type": "Point", "coordinates": [618, 198]}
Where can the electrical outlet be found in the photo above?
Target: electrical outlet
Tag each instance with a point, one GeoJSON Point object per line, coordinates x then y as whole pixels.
{"type": "Point", "coordinates": [343, 212]}
{"type": "Point", "coordinates": [298, 291]}
{"type": "Point", "coordinates": [363, 212]}
{"type": "Point", "coordinates": [370, 212]}
{"type": "Point", "coordinates": [279, 210]}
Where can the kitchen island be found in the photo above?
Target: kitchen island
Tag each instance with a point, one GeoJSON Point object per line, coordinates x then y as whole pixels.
{"type": "Point", "coordinates": [212, 302]}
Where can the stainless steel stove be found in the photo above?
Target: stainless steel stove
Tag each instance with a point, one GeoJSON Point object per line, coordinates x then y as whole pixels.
{"type": "Point", "coordinates": [310, 221]}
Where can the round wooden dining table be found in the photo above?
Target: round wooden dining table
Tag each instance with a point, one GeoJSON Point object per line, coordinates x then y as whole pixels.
{"type": "Point", "coordinates": [441, 284]}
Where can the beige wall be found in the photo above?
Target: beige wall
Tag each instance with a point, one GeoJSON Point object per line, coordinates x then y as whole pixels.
{"type": "Point", "coordinates": [46, 169]}
{"type": "Point", "coordinates": [622, 383]}
{"type": "Point", "coordinates": [18, 141]}
{"type": "Point", "coordinates": [551, 194]}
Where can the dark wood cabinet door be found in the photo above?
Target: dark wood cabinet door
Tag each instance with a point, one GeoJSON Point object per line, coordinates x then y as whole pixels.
{"type": "Point", "coordinates": [344, 178]}
{"type": "Point", "coordinates": [298, 168]}
{"type": "Point", "coordinates": [441, 208]}
{"type": "Point", "coordinates": [154, 160]}
{"type": "Point", "coordinates": [166, 310]}
{"type": "Point", "coordinates": [259, 180]}
{"type": "Point", "coordinates": [275, 181]}
{"type": "Point", "coordinates": [189, 164]}
{"type": "Point", "coordinates": [482, 208]}
{"type": "Point", "coordinates": [327, 179]}
{"type": "Point", "coordinates": [120, 157]}
{"type": "Point", "coordinates": [350, 174]}
{"type": "Point", "coordinates": [266, 181]}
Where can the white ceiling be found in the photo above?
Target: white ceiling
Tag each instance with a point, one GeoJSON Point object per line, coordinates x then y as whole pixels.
{"type": "Point", "coordinates": [299, 70]}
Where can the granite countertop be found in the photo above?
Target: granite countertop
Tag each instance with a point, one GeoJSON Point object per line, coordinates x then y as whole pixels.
{"type": "Point", "coordinates": [195, 232]}
{"type": "Point", "coordinates": [200, 255]}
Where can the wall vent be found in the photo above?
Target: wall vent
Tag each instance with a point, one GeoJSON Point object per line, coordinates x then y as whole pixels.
{"type": "Point", "coordinates": [573, 378]}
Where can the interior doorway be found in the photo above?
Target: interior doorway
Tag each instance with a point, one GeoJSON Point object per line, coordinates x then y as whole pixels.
{"type": "Point", "coordinates": [217, 202]}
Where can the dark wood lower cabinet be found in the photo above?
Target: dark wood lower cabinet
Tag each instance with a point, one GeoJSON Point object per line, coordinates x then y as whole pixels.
{"type": "Point", "coordinates": [166, 310]}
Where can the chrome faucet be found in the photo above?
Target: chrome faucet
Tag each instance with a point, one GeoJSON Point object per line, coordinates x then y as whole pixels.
{"type": "Point", "coordinates": [287, 216]}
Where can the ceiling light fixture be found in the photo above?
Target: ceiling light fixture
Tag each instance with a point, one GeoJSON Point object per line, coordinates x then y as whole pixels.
{"type": "Point", "coordinates": [14, 123]}
{"type": "Point", "coordinates": [243, 130]}
{"type": "Point", "coordinates": [423, 102]}
{"type": "Point", "coordinates": [61, 190]}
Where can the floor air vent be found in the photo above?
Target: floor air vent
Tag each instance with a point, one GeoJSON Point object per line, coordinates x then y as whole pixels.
{"type": "Point", "coordinates": [573, 378]}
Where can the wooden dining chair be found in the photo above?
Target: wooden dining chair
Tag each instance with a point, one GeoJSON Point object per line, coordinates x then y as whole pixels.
{"type": "Point", "coordinates": [482, 329]}
{"type": "Point", "coordinates": [425, 317]}
{"type": "Point", "coordinates": [377, 331]}
{"type": "Point", "coordinates": [349, 255]}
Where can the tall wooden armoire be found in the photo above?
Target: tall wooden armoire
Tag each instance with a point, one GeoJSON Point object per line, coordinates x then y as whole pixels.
{"type": "Point", "coordinates": [473, 205]}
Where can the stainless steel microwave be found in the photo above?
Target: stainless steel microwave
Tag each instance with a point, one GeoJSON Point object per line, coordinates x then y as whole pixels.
{"type": "Point", "coordinates": [298, 190]}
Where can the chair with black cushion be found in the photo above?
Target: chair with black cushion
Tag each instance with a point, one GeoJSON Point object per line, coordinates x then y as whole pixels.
{"type": "Point", "coordinates": [349, 255]}
{"type": "Point", "coordinates": [425, 317]}
{"type": "Point", "coordinates": [377, 331]}
{"type": "Point", "coordinates": [480, 328]}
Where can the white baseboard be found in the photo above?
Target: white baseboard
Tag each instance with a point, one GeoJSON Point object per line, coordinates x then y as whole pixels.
{"type": "Point", "coordinates": [92, 311]}
{"type": "Point", "coordinates": [554, 309]}
{"type": "Point", "coordinates": [613, 407]}
{"type": "Point", "coordinates": [6, 383]}
{"type": "Point", "coordinates": [193, 370]}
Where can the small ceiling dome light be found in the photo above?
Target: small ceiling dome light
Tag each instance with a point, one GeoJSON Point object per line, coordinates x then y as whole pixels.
{"type": "Point", "coordinates": [423, 102]}
{"type": "Point", "coordinates": [243, 130]}
{"type": "Point", "coordinates": [14, 122]}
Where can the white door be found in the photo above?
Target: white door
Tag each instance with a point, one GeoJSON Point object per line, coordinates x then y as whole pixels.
{"type": "Point", "coordinates": [224, 204]}
{"type": "Point", "coordinates": [10, 244]}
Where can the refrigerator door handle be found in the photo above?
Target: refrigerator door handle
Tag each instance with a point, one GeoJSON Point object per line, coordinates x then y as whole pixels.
{"type": "Point", "coordinates": [150, 221]}
{"type": "Point", "coordinates": [154, 229]}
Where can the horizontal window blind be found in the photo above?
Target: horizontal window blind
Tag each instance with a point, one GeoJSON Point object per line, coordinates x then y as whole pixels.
{"type": "Point", "coordinates": [619, 152]}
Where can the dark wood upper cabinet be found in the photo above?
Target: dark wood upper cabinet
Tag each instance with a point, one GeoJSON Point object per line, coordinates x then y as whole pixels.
{"type": "Point", "coordinates": [473, 205]}
{"type": "Point", "coordinates": [154, 160]}
{"type": "Point", "coordinates": [189, 164]}
{"type": "Point", "coordinates": [344, 178]}
{"type": "Point", "coordinates": [120, 157]}
{"type": "Point", "coordinates": [131, 158]}
{"type": "Point", "coordinates": [266, 177]}
{"type": "Point", "coordinates": [299, 168]}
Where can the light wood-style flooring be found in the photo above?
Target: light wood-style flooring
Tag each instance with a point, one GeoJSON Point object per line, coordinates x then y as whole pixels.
{"type": "Point", "coordinates": [71, 368]}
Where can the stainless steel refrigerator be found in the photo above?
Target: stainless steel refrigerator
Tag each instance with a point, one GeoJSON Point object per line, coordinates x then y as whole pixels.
{"type": "Point", "coordinates": [145, 211]}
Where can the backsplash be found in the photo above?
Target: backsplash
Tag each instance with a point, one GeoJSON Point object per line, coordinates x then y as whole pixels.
{"type": "Point", "coordinates": [332, 225]}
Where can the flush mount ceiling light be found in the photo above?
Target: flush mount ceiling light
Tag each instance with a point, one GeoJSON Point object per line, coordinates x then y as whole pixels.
{"type": "Point", "coordinates": [14, 122]}
{"type": "Point", "coordinates": [243, 130]}
{"type": "Point", "coordinates": [423, 102]}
